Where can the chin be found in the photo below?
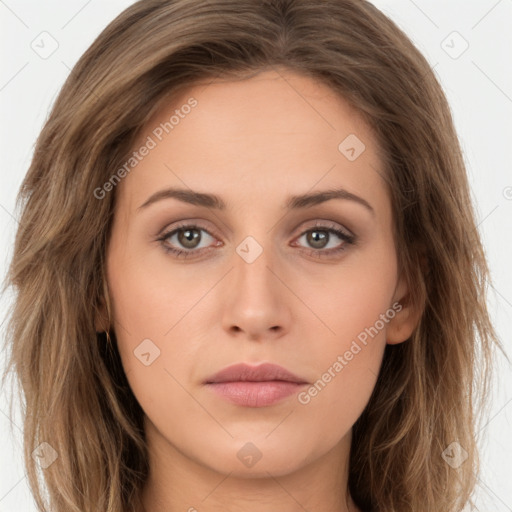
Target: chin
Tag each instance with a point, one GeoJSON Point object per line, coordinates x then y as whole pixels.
{"type": "Point", "coordinates": [258, 459]}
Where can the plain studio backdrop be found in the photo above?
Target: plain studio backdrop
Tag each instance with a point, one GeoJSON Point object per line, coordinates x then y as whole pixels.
{"type": "Point", "coordinates": [469, 46]}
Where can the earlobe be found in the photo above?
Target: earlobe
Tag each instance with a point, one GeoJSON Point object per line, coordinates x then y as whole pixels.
{"type": "Point", "coordinates": [408, 313]}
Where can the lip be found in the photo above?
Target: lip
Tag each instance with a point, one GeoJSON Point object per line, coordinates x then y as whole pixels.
{"type": "Point", "coordinates": [265, 372]}
{"type": "Point", "coordinates": [255, 386]}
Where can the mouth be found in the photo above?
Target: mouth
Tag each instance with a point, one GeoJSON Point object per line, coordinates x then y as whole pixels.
{"type": "Point", "coordinates": [255, 386]}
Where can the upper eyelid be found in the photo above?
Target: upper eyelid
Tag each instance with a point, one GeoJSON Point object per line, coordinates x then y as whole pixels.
{"type": "Point", "coordinates": [166, 232]}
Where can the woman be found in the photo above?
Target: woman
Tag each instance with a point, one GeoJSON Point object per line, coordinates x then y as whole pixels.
{"type": "Point", "coordinates": [248, 271]}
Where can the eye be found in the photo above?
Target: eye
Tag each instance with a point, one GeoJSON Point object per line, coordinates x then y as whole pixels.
{"type": "Point", "coordinates": [188, 239]}
{"type": "Point", "coordinates": [185, 239]}
{"type": "Point", "coordinates": [321, 236]}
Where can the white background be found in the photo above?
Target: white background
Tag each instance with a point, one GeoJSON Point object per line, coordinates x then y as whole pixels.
{"type": "Point", "coordinates": [478, 84]}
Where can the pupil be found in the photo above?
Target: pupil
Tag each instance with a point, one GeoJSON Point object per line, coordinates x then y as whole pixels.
{"type": "Point", "coordinates": [317, 238]}
{"type": "Point", "coordinates": [189, 237]}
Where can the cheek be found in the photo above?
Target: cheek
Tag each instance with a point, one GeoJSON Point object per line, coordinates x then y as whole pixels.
{"type": "Point", "coordinates": [151, 322]}
{"type": "Point", "coordinates": [150, 298]}
{"type": "Point", "coordinates": [349, 298]}
{"type": "Point", "coordinates": [346, 368]}
{"type": "Point", "coordinates": [150, 310]}
{"type": "Point", "coordinates": [333, 403]}
{"type": "Point", "coordinates": [354, 305]}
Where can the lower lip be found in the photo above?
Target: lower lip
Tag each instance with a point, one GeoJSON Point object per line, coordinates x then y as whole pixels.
{"type": "Point", "coordinates": [255, 394]}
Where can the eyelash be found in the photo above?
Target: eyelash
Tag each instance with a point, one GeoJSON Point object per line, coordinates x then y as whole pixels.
{"type": "Point", "coordinates": [347, 238]}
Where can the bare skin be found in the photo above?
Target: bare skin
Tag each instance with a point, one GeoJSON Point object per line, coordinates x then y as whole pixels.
{"type": "Point", "coordinates": [298, 303]}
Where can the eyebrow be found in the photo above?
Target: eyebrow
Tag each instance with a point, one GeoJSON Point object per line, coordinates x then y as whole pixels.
{"type": "Point", "coordinates": [292, 203]}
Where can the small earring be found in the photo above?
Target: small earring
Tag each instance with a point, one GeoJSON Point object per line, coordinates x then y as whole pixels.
{"type": "Point", "coordinates": [109, 341]}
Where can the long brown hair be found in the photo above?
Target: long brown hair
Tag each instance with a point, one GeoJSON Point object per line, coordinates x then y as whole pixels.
{"type": "Point", "coordinates": [77, 398]}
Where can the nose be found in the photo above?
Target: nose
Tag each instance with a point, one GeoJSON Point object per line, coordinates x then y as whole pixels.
{"type": "Point", "coordinates": [258, 300]}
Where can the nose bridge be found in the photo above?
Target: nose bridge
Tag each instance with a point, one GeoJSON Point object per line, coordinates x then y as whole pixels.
{"type": "Point", "coordinates": [253, 261]}
{"type": "Point", "coordinates": [256, 303]}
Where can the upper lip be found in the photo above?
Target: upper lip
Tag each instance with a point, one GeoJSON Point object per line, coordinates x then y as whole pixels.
{"type": "Point", "coordinates": [260, 373]}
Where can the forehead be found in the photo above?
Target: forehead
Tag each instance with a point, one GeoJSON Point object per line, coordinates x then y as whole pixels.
{"type": "Point", "coordinates": [271, 132]}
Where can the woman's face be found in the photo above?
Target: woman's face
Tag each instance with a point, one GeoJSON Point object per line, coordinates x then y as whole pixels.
{"type": "Point", "coordinates": [292, 263]}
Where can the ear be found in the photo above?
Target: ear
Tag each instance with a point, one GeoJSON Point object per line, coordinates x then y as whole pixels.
{"type": "Point", "coordinates": [407, 317]}
{"type": "Point", "coordinates": [101, 322]}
